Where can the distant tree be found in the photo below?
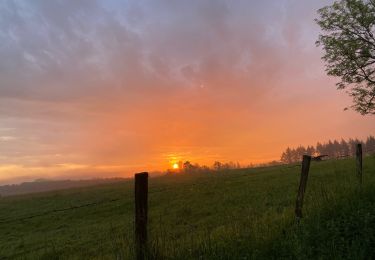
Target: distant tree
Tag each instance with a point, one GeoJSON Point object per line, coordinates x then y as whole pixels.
{"type": "Point", "coordinates": [344, 148]}
{"type": "Point", "coordinates": [336, 148]}
{"type": "Point", "coordinates": [217, 166]}
{"type": "Point", "coordinates": [187, 167]}
{"type": "Point", "coordinates": [352, 144]}
{"type": "Point", "coordinates": [232, 165]}
{"type": "Point", "coordinates": [300, 151]}
{"type": "Point", "coordinates": [329, 148]}
{"type": "Point", "coordinates": [332, 148]}
{"type": "Point", "coordinates": [295, 156]}
{"type": "Point", "coordinates": [205, 168]}
{"type": "Point", "coordinates": [283, 158]}
{"type": "Point", "coordinates": [370, 144]}
{"type": "Point", "coordinates": [319, 149]}
{"type": "Point", "coordinates": [310, 150]}
{"type": "Point", "coordinates": [286, 156]}
{"type": "Point", "coordinates": [348, 28]}
{"type": "Point", "coordinates": [251, 165]}
{"type": "Point", "coordinates": [238, 165]}
{"type": "Point", "coordinates": [225, 166]}
{"type": "Point", "coordinates": [229, 165]}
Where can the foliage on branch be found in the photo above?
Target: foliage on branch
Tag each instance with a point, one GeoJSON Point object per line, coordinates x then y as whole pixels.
{"type": "Point", "coordinates": [348, 42]}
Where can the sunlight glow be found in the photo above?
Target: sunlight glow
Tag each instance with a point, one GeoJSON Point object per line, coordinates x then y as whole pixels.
{"type": "Point", "coordinates": [175, 166]}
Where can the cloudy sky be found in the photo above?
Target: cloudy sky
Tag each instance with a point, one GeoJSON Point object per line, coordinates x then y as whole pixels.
{"type": "Point", "coordinates": [106, 88]}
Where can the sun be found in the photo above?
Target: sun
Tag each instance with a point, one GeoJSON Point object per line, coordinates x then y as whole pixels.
{"type": "Point", "coordinates": [175, 166]}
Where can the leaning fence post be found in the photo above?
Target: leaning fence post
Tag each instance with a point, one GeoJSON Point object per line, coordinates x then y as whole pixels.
{"type": "Point", "coordinates": [302, 185]}
{"type": "Point", "coordinates": [141, 194]}
{"type": "Point", "coordinates": [359, 162]}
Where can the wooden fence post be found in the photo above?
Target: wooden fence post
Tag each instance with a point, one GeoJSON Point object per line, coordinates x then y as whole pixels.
{"type": "Point", "coordinates": [359, 162]}
{"type": "Point", "coordinates": [302, 185]}
{"type": "Point", "coordinates": [141, 194]}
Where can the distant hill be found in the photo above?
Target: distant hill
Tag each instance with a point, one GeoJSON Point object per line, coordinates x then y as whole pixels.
{"type": "Point", "coordinates": [41, 185]}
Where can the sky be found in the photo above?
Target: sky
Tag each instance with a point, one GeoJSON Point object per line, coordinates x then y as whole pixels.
{"type": "Point", "coordinates": [107, 88]}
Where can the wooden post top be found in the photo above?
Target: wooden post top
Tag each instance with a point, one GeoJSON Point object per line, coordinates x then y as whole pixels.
{"type": "Point", "coordinates": [141, 174]}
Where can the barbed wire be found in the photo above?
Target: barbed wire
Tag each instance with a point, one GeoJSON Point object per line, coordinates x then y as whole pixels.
{"type": "Point", "coordinates": [6, 221]}
{"type": "Point", "coordinates": [42, 214]}
{"type": "Point", "coordinates": [344, 156]}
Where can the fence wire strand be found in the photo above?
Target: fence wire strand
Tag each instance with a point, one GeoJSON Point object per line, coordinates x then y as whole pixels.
{"type": "Point", "coordinates": [50, 212]}
{"type": "Point", "coordinates": [6, 221]}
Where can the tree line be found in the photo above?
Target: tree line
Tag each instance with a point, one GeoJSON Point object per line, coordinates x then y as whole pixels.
{"type": "Point", "coordinates": [188, 167]}
{"type": "Point", "coordinates": [333, 149]}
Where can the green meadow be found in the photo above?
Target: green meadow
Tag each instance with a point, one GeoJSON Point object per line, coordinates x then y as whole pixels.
{"type": "Point", "coordinates": [234, 214]}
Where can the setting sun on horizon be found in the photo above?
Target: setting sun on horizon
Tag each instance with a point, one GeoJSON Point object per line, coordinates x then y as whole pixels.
{"type": "Point", "coordinates": [130, 86]}
{"type": "Point", "coordinates": [175, 129]}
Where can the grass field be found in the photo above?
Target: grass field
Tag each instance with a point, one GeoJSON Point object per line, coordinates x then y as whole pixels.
{"type": "Point", "coordinates": [238, 214]}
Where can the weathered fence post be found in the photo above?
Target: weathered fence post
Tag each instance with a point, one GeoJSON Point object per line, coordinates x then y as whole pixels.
{"type": "Point", "coordinates": [359, 162]}
{"type": "Point", "coordinates": [302, 185]}
{"type": "Point", "coordinates": [141, 194]}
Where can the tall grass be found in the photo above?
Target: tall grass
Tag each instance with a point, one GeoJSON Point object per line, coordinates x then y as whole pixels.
{"type": "Point", "coordinates": [238, 214]}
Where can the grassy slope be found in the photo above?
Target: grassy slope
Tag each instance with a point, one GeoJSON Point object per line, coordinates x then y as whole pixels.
{"type": "Point", "coordinates": [240, 214]}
